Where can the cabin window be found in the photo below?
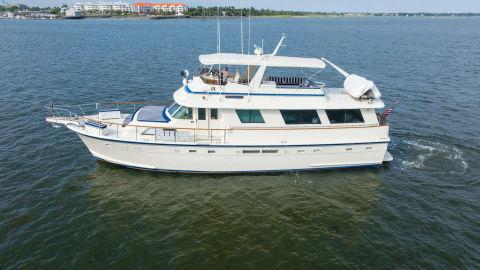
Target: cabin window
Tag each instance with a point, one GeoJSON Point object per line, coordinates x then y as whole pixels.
{"type": "Point", "coordinates": [300, 117]}
{"type": "Point", "coordinates": [344, 116]}
{"type": "Point", "coordinates": [214, 114]}
{"type": "Point", "coordinates": [183, 113]}
{"type": "Point", "coordinates": [202, 114]}
{"type": "Point", "coordinates": [250, 116]}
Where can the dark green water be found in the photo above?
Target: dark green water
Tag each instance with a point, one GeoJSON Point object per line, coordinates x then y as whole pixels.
{"type": "Point", "coordinates": [59, 208]}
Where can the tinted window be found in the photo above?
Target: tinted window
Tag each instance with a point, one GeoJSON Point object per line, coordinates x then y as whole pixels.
{"type": "Point", "coordinates": [344, 116]}
{"type": "Point", "coordinates": [300, 117]}
{"type": "Point", "coordinates": [250, 116]}
{"type": "Point", "coordinates": [201, 114]}
{"type": "Point", "coordinates": [214, 113]}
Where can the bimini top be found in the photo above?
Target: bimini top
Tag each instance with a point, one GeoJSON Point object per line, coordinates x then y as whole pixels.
{"type": "Point", "coordinates": [260, 60]}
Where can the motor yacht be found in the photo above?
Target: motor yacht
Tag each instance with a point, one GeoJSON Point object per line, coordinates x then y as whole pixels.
{"type": "Point", "coordinates": [235, 117]}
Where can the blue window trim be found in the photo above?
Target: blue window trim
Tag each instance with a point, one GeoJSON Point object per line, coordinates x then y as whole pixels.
{"type": "Point", "coordinates": [188, 90]}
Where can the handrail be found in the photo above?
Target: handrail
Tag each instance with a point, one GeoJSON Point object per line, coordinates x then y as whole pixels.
{"type": "Point", "coordinates": [112, 102]}
{"type": "Point", "coordinates": [382, 122]}
{"type": "Point", "coordinates": [230, 128]}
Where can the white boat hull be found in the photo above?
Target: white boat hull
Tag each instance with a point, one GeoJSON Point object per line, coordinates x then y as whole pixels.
{"type": "Point", "coordinates": [230, 158]}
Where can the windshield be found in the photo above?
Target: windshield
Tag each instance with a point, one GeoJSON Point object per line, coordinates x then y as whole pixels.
{"type": "Point", "coordinates": [179, 112]}
{"type": "Point", "coordinates": [173, 108]}
{"type": "Point", "coordinates": [183, 113]}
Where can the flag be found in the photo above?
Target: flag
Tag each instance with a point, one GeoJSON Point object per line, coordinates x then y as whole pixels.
{"type": "Point", "coordinates": [388, 111]}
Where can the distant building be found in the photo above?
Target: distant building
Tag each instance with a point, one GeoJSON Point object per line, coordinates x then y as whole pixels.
{"type": "Point", "coordinates": [102, 7]}
{"type": "Point", "coordinates": [178, 8]}
{"type": "Point", "coordinates": [105, 7]}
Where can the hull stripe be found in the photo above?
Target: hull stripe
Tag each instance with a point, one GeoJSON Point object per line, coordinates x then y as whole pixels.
{"type": "Point", "coordinates": [229, 146]}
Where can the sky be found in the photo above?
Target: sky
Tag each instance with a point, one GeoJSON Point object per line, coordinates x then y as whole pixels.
{"type": "Point", "coordinates": [313, 5]}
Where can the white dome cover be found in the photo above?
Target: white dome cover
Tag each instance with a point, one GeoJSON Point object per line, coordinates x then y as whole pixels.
{"type": "Point", "coordinates": [357, 86]}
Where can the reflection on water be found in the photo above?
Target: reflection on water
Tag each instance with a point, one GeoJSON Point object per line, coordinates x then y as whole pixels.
{"type": "Point", "coordinates": [222, 218]}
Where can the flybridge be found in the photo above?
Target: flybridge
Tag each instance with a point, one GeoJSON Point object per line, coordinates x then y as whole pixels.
{"type": "Point", "coordinates": [218, 80]}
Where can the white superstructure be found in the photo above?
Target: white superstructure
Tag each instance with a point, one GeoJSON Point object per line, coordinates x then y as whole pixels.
{"type": "Point", "coordinates": [244, 121]}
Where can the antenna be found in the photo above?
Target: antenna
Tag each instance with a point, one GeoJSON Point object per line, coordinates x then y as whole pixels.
{"type": "Point", "coordinates": [249, 28]}
{"type": "Point", "coordinates": [219, 48]}
{"type": "Point", "coordinates": [241, 24]}
{"type": "Point", "coordinates": [279, 44]}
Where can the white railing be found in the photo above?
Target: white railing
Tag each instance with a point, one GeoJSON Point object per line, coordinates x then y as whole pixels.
{"type": "Point", "coordinates": [116, 128]}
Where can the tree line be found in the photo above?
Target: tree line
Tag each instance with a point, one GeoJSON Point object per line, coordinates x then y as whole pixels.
{"type": "Point", "coordinates": [21, 7]}
{"type": "Point", "coordinates": [233, 11]}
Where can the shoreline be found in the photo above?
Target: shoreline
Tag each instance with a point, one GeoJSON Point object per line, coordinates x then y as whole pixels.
{"type": "Point", "coordinates": [167, 17]}
{"type": "Point", "coordinates": [159, 17]}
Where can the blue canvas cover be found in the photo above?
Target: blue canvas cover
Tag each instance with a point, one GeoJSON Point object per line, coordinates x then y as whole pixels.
{"type": "Point", "coordinates": [152, 114]}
